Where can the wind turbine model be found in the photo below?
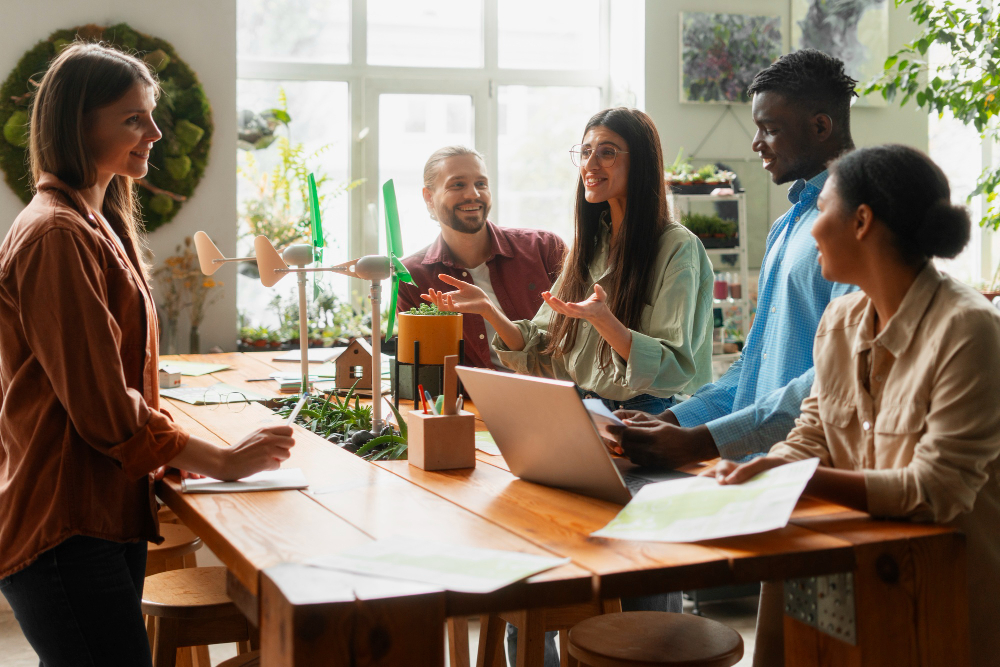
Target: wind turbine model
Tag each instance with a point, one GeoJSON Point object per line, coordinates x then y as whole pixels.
{"type": "Point", "coordinates": [375, 268]}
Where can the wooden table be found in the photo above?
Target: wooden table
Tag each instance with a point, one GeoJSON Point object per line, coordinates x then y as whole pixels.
{"type": "Point", "coordinates": [908, 580]}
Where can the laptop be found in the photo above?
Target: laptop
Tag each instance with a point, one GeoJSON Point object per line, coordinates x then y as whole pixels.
{"type": "Point", "coordinates": [546, 435]}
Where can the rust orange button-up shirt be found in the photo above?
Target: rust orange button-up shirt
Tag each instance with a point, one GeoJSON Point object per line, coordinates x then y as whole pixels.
{"type": "Point", "coordinates": [80, 424]}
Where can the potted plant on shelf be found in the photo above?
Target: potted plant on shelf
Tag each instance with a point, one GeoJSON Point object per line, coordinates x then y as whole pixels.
{"type": "Point", "coordinates": [683, 179]}
{"type": "Point", "coordinates": [438, 333]}
{"type": "Point", "coordinates": [713, 231]}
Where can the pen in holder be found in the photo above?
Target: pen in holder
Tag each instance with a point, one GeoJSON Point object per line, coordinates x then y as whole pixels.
{"type": "Point", "coordinates": [447, 440]}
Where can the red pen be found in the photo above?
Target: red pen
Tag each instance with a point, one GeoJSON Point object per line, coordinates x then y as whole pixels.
{"type": "Point", "coordinates": [423, 400]}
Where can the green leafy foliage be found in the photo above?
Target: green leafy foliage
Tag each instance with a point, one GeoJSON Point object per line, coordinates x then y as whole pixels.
{"type": "Point", "coordinates": [708, 225]}
{"type": "Point", "coordinates": [681, 171]}
{"type": "Point", "coordinates": [966, 87]}
{"type": "Point", "coordinates": [334, 418]}
{"type": "Point", "coordinates": [183, 114]}
{"type": "Point", "coordinates": [428, 309]}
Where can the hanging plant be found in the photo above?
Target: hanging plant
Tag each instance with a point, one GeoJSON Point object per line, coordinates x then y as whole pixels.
{"type": "Point", "coordinates": [177, 162]}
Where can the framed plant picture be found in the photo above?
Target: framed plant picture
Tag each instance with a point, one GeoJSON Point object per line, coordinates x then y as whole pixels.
{"type": "Point", "coordinates": [721, 53]}
{"type": "Point", "coordinates": [856, 31]}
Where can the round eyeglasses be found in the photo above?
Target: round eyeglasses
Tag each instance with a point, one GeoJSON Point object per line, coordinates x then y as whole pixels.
{"type": "Point", "coordinates": [606, 155]}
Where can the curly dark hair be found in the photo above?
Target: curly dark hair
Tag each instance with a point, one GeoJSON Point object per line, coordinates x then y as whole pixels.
{"type": "Point", "coordinates": [811, 79]}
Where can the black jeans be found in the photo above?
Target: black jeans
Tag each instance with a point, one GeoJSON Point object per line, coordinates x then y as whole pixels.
{"type": "Point", "coordinates": [79, 604]}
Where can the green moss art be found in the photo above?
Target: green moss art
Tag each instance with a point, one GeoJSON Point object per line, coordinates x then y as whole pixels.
{"type": "Point", "coordinates": [177, 162]}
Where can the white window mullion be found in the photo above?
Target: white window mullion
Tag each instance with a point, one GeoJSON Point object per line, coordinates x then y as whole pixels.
{"type": "Point", "coordinates": [605, 50]}
{"type": "Point", "coordinates": [487, 107]}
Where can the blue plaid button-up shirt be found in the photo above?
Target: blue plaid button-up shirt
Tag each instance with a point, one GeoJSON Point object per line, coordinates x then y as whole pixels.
{"type": "Point", "coordinates": [755, 404]}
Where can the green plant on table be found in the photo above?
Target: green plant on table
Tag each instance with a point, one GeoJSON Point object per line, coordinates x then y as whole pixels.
{"type": "Point", "coordinates": [347, 423]}
{"type": "Point", "coordinates": [428, 309]}
{"type": "Point", "coordinates": [681, 171]}
{"type": "Point", "coordinates": [966, 85]}
{"type": "Point", "coordinates": [708, 225]}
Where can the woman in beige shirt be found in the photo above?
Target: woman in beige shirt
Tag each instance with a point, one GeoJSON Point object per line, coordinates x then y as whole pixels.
{"type": "Point", "coordinates": [903, 413]}
{"type": "Point", "coordinates": [81, 427]}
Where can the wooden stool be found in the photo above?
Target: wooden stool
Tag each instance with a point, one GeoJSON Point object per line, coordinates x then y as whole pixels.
{"type": "Point", "coordinates": [654, 639]}
{"type": "Point", "coordinates": [190, 608]}
{"type": "Point", "coordinates": [532, 624]}
{"type": "Point", "coordinates": [251, 659]}
{"type": "Point", "coordinates": [166, 515]}
{"type": "Point", "coordinates": [176, 551]}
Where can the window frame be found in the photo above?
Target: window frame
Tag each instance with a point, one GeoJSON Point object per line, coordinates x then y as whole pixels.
{"type": "Point", "coordinates": [366, 82]}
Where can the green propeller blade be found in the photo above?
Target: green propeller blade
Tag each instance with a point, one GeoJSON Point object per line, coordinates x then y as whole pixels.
{"type": "Point", "coordinates": [394, 246]}
{"type": "Point", "coordinates": [317, 224]}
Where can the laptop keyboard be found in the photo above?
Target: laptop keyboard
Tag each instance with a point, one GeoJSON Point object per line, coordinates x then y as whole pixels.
{"type": "Point", "coordinates": [635, 483]}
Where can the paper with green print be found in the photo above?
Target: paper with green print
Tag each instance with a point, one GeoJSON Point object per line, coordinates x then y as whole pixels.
{"type": "Point", "coordinates": [453, 567]}
{"type": "Point", "coordinates": [699, 508]}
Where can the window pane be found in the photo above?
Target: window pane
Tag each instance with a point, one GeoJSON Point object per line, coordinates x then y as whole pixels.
{"type": "Point", "coordinates": [294, 30]}
{"type": "Point", "coordinates": [562, 34]}
{"type": "Point", "coordinates": [411, 127]}
{"type": "Point", "coordinates": [425, 33]}
{"type": "Point", "coordinates": [536, 186]}
{"type": "Point", "coordinates": [319, 123]}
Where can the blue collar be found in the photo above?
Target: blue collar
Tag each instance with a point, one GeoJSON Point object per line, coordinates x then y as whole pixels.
{"type": "Point", "coordinates": [805, 191]}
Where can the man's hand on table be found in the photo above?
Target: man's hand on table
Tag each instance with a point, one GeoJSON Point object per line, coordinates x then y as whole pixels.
{"type": "Point", "coordinates": [658, 441]}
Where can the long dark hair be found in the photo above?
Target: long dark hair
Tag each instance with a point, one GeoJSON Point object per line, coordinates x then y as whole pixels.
{"type": "Point", "coordinates": [85, 77]}
{"type": "Point", "coordinates": [910, 194]}
{"type": "Point", "coordinates": [634, 249]}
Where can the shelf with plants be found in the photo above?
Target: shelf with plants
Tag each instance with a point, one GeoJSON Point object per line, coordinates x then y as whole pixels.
{"type": "Point", "coordinates": [720, 221]}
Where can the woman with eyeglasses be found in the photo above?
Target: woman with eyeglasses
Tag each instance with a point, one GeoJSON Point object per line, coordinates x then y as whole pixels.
{"type": "Point", "coordinates": [81, 426]}
{"type": "Point", "coordinates": [630, 318]}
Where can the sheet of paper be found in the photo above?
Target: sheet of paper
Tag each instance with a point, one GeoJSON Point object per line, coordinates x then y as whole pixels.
{"type": "Point", "coordinates": [602, 417]}
{"type": "Point", "coordinates": [316, 355]}
{"type": "Point", "coordinates": [268, 480]}
{"type": "Point", "coordinates": [485, 443]}
{"type": "Point", "coordinates": [452, 567]}
{"type": "Point", "coordinates": [195, 368]}
{"type": "Point", "coordinates": [699, 508]}
{"type": "Point", "coordinates": [220, 392]}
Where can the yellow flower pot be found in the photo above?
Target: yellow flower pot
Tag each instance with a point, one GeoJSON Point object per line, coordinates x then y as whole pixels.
{"type": "Point", "coordinates": [438, 335]}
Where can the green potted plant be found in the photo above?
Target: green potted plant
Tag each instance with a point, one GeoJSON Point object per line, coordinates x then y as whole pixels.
{"type": "Point", "coordinates": [713, 231]}
{"type": "Point", "coordinates": [438, 333]}
{"type": "Point", "coordinates": [683, 179]}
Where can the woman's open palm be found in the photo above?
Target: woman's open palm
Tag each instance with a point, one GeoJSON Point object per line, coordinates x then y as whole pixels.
{"type": "Point", "coordinates": [590, 308]}
{"type": "Point", "coordinates": [466, 299]}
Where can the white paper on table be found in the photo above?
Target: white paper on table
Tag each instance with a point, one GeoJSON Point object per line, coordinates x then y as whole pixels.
{"type": "Point", "coordinates": [316, 355]}
{"type": "Point", "coordinates": [486, 444]}
{"type": "Point", "coordinates": [268, 480]}
{"type": "Point", "coordinates": [452, 567]}
{"type": "Point", "coordinates": [602, 417]}
{"type": "Point", "coordinates": [699, 508]}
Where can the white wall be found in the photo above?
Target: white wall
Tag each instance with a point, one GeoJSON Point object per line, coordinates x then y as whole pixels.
{"type": "Point", "coordinates": [687, 124]}
{"type": "Point", "coordinates": [204, 34]}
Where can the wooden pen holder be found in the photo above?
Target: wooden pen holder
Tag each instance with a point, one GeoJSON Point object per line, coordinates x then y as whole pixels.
{"type": "Point", "coordinates": [441, 442]}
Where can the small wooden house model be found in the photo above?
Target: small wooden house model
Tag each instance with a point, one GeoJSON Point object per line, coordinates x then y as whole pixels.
{"type": "Point", "coordinates": [355, 365]}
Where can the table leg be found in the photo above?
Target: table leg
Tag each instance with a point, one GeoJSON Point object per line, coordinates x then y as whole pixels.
{"type": "Point", "coordinates": [492, 632]}
{"type": "Point", "coordinates": [911, 603]}
{"type": "Point", "coordinates": [458, 641]}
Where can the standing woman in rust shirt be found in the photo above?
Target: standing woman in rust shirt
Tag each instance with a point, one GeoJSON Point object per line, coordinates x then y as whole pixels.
{"type": "Point", "coordinates": [81, 428]}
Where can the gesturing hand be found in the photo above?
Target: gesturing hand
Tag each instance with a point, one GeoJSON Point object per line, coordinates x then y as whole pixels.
{"type": "Point", "coordinates": [466, 299]}
{"type": "Point", "coordinates": [264, 449]}
{"type": "Point", "coordinates": [592, 308]}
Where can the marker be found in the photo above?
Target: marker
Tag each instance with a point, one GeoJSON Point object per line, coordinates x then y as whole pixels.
{"type": "Point", "coordinates": [423, 399]}
{"type": "Point", "coordinates": [439, 405]}
{"type": "Point", "coordinates": [430, 401]}
{"type": "Point", "coordinates": [298, 408]}
{"type": "Point", "coordinates": [460, 403]}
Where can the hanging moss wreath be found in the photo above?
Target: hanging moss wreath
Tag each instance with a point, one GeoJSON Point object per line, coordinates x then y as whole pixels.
{"type": "Point", "coordinates": [183, 114]}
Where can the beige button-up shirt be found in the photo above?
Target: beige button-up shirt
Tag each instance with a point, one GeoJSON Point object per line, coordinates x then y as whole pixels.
{"type": "Point", "coordinates": [672, 349]}
{"type": "Point", "coordinates": [916, 408]}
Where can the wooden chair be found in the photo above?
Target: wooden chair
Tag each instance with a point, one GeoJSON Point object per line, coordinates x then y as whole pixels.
{"type": "Point", "coordinates": [176, 552]}
{"type": "Point", "coordinates": [190, 608]}
{"type": "Point", "coordinates": [653, 639]}
{"type": "Point", "coordinates": [532, 624]}
{"type": "Point", "coordinates": [251, 659]}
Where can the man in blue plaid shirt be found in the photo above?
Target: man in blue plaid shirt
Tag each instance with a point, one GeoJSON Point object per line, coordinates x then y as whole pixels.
{"type": "Point", "coordinates": [801, 106]}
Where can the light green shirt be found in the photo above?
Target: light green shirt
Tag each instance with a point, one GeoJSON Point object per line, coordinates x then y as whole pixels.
{"type": "Point", "coordinates": [672, 349]}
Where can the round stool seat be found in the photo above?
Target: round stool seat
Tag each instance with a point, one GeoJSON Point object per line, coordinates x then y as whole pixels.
{"type": "Point", "coordinates": [654, 639]}
{"type": "Point", "coordinates": [251, 659]}
{"type": "Point", "coordinates": [178, 540]}
{"type": "Point", "coordinates": [194, 592]}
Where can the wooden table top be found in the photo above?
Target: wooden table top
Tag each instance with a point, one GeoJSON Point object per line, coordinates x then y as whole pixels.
{"type": "Point", "coordinates": [351, 501]}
